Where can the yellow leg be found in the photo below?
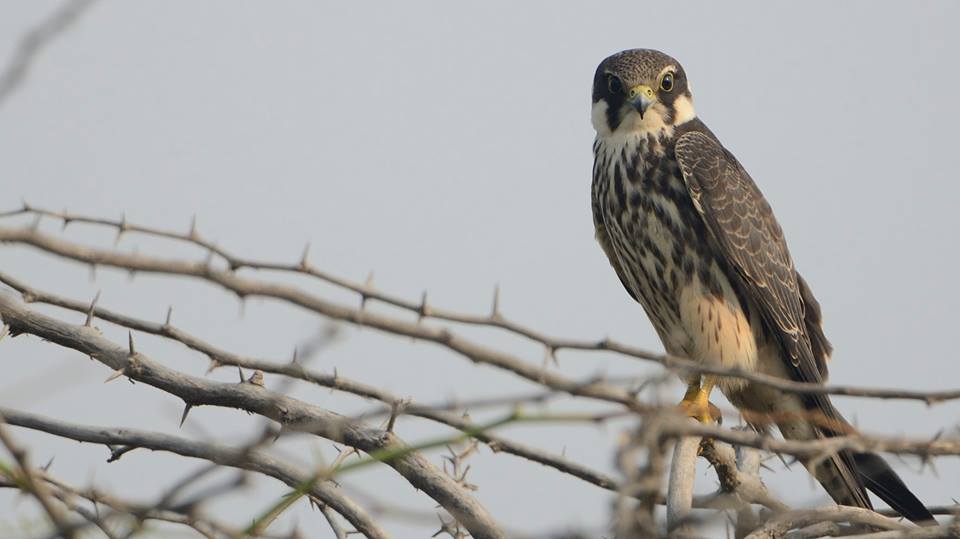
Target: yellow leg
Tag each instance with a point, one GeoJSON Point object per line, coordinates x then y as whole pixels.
{"type": "Point", "coordinates": [696, 401]}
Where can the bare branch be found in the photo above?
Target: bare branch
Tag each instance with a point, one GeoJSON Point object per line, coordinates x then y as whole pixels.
{"type": "Point", "coordinates": [683, 469]}
{"type": "Point", "coordinates": [253, 460]}
{"type": "Point", "coordinates": [294, 369]}
{"type": "Point", "coordinates": [32, 485]}
{"type": "Point", "coordinates": [293, 414]}
{"type": "Point", "coordinates": [780, 524]}
{"type": "Point", "coordinates": [34, 41]}
{"type": "Point", "coordinates": [244, 287]}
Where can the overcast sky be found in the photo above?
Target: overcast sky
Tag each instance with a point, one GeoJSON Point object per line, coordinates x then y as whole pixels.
{"type": "Point", "coordinates": [447, 147]}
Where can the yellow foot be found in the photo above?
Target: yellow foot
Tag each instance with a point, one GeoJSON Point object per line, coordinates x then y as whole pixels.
{"type": "Point", "coordinates": [695, 404]}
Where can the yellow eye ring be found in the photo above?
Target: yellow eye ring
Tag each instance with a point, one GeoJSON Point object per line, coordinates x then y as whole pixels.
{"type": "Point", "coordinates": [666, 82]}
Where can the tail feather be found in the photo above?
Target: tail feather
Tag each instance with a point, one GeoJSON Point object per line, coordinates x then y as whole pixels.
{"type": "Point", "coordinates": [876, 475]}
{"type": "Point", "coordinates": [880, 478]}
{"type": "Point", "coordinates": [838, 476]}
{"type": "Point", "coordinates": [846, 476]}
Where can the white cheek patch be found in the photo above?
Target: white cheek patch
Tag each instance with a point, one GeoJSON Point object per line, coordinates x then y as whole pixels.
{"type": "Point", "coordinates": [598, 116]}
{"type": "Point", "coordinates": [683, 107]}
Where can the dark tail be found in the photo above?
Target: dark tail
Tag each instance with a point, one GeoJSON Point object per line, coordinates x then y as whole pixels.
{"type": "Point", "coordinates": [877, 476]}
{"type": "Point", "coordinates": [846, 476]}
{"type": "Point", "coordinates": [880, 479]}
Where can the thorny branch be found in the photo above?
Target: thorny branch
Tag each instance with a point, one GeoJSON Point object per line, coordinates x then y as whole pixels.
{"type": "Point", "coordinates": [496, 319]}
{"type": "Point", "coordinates": [292, 414]}
{"type": "Point", "coordinates": [32, 484]}
{"type": "Point", "coordinates": [643, 457]}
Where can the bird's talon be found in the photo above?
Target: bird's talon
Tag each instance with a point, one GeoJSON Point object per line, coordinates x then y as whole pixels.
{"type": "Point", "coordinates": [702, 410]}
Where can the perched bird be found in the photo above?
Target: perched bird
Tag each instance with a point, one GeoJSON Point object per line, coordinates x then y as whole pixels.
{"type": "Point", "coordinates": [695, 243]}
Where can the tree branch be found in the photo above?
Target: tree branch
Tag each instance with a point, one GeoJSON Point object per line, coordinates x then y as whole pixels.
{"type": "Point", "coordinates": [292, 414]}
{"type": "Point", "coordinates": [253, 460]}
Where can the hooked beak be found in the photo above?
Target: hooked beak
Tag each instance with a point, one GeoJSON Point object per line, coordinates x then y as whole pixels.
{"type": "Point", "coordinates": [641, 97]}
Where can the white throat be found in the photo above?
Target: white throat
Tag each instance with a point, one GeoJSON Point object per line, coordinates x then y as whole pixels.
{"type": "Point", "coordinates": [652, 123]}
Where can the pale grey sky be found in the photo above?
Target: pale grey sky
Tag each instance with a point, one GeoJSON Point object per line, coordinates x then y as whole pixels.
{"type": "Point", "coordinates": [448, 147]}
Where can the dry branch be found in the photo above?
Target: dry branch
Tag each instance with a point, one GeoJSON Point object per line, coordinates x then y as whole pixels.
{"type": "Point", "coordinates": [295, 370]}
{"type": "Point", "coordinates": [243, 458]}
{"type": "Point", "coordinates": [642, 459]}
{"type": "Point", "coordinates": [242, 287]}
{"type": "Point", "coordinates": [34, 486]}
{"type": "Point", "coordinates": [292, 414]}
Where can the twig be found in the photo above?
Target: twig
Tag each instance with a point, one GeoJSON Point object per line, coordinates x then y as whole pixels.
{"type": "Point", "coordinates": [338, 530]}
{"type": "Point", "coordinates": [34, 41]}
{"type": "Point", "coordinates": [780, 524]}
{"type": "Point", "coordinates": [34, 486]}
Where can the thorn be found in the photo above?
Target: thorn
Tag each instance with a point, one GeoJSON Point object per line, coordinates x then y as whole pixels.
{"type": "Point", "coordinates": [26, 205]}
{"type": "Point", "coordinates": [186, 410]}
{"type": "Point", "coordinates": [396, 407]}
{"type": "Point", "coordinates": [423, 311]}
{"type": "Point", "coordinates": [93, 273]}
{"type": "Point", "coordinates": [166, 322]}
{"type": "Point", "coordinates": [214, 364]}
{"type": "Point", "coordinates": [133, 350]}
{"type": "Point", "coordinates": [93, 305]}
{"type": "Point", "coordinates": [933, 469]}
{"type": "Point", "coordinates": [243, 306]}
{"type": "Point", "coordinates": [304, 263]}
{"type": "Point", "coordinates": [209, 258]}
{"type": "Point", "coordinates": [368, 287]}
{"type": "Point", "coordinates": [116, 374]}
{"type": "Point", "coordinates": [495, 309]}
{"type": "Point", "coordinates": [193, 227]}
{"type": "Point", "coordinates": [551, 356]}
{"type": "Point", "coordinates": [49, 463]}
{"type": "Point", "coordinates": [294, 360]}
{"type": "Point", "coordinates": [121, 228]}
{"type": "Point", "coordinates": [240, 371]}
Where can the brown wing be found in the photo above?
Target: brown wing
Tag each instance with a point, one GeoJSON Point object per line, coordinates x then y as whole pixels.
{"type": "Point", "coordinates": [741, 221]}
{"type": "Point", "coordinates": [743, 225]}
{"type": "Point", "coordinates": [819, 344]}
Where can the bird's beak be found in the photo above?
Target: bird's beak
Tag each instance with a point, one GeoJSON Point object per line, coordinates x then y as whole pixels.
{"type": "Point", "coordinates": [641, 97]}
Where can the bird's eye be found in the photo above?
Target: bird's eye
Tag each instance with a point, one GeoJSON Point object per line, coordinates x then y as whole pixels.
{"type": "Point", "coordinates": [666, 82]}
{"type": "Point", "coordinates": [614, 84]}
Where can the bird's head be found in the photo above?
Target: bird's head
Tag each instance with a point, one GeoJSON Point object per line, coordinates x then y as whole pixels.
{"type": "Point", "coordinates": [640, 91]}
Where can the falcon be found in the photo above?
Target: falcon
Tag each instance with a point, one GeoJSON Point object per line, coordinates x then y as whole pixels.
{"type": "Point", "coordinates": [695, 243]}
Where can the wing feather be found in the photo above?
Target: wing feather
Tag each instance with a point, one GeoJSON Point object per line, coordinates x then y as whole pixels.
{"type": "Point", "coordinates": [750, 239]}
{"type": "Point", "coordinates": [743, 225]}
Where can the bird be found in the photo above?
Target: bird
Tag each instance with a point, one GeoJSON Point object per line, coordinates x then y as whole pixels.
{"type": "Point", "coordinates": [694, 241]}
